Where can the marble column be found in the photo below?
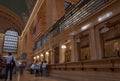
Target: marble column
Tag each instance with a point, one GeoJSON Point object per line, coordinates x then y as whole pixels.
{"type": "Point", "coordinates": [93, 53]}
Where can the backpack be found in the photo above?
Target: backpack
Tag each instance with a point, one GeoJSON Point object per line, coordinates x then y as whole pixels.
{"type": "Point", "coordinates": [12, 62]}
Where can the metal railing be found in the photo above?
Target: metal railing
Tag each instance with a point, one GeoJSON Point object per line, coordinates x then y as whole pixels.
{"type": "Point", "coordinates": [78, 13]}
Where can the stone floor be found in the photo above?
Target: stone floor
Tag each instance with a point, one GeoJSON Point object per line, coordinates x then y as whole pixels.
{"type": "Point", "coordinates": [31, 77]}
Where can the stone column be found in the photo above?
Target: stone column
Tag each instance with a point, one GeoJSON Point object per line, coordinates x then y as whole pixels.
{"type": "Point", "coordinates": [61, 54]}
{"type": "Point", "coordinates": [19, 46]}
{"type": "Point", "coordinates": [1, 42]}
{"type": "Point", "coordinates": [93, 53]}
{"type": "Point", "coordinates": [29, 44]}
{"type": "Point", "coordinates": [74, 54]}
{"type": "Point", "coordinates": [99, 50]}
{"type": "Point", "coordinates": [52, 56]}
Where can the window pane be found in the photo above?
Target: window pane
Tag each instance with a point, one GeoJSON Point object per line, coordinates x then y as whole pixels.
{"type": "Point", "coordinates": [10, 41]}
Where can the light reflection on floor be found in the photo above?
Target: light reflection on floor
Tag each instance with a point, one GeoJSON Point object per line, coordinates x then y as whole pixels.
{"type": "Point", "coordinates": [30, 77]}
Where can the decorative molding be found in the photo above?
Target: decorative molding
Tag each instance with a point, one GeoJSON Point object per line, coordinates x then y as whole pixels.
{"type": "Point", "coordinates": [33, 16]}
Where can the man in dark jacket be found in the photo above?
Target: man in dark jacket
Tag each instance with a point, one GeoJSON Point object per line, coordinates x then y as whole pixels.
{"type": "Point", "coordinates": [9, 66]}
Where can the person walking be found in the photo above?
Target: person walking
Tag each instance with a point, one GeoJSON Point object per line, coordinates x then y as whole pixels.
{"type": "Point", "coordinates": [10, 64]}
{"type": "Point", "coordinates": [44, 66]}
{"type": "Point", "coordinates": [21, 68]}
{"type": "Point", "coordinates": [37, 68]}
{"type": "Point", "coordinates": [2, 66]}
{"type": "Point", "coordinates": [32, 68]}
{"type": "Point", "coordinates": [41, 68]}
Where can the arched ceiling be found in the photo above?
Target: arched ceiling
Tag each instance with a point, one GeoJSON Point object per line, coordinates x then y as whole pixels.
{"type": "Point", "coordinates": [9, 20]}
{"type": "Point", "coordinates": [14, 14]}
{"type": "Point", "coordinates": [19, 7]}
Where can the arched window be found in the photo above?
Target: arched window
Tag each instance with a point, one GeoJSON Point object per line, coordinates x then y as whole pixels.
{"type": "Point", "coordinates": [10, 41]}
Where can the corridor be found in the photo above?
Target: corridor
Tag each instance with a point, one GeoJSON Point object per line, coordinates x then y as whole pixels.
{"type": "Point", "coordinates": [65, 40]}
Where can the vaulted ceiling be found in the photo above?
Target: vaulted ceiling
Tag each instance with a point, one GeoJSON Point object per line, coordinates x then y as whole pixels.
{"type": "Point", "coordinates": [14, 14]}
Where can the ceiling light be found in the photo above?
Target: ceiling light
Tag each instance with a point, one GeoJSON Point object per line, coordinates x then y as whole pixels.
{"type": "Point", "coordinates": [38, 56]}
{"type": "Point", "coordinates": [63, 46]}
{"type": "Point", "coordinates": [85, 27]}
{"type": "Point", "coordinates": [41, 55]}
{"type": "Point", "coordinates": [47, 53]}
{"type": "Point", "coordinates": [34, 58]}
{"type": "Point", "coordinates": [101, 18]}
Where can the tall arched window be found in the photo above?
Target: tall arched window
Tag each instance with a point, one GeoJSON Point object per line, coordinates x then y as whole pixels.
{"type": "Point", "coordinates": [10, 41]}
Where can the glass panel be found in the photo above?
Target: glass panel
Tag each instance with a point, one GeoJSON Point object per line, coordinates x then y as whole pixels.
{"type": "Point", "coordinates": [10, 41]}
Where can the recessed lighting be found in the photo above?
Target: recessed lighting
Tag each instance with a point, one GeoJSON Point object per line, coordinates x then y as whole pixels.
{"type": "Point", "coordinates": [101, 18]}
{"type": "Point", "coordinates": [41, 55]}
{"type": "Point", "coordinates": [47, 53]}
{"type": "Point", "coordinates": [38, 56]}
{"type": "Point", "coordinates": [34, 58]}
{"type": "Point", "coordinates": [85, 27]}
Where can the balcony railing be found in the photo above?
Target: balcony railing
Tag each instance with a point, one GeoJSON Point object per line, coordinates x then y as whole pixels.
{"type": "Point", "coordinates": [78, 13]}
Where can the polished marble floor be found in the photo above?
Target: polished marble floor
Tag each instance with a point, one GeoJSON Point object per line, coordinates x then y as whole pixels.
{"type": "Point", "coordinates": [31, 77]}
